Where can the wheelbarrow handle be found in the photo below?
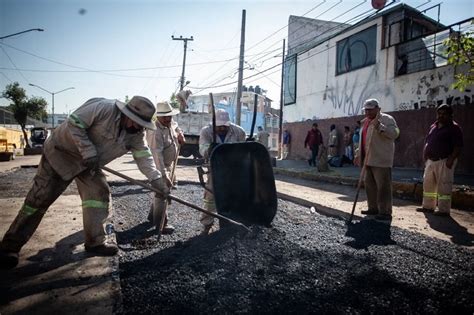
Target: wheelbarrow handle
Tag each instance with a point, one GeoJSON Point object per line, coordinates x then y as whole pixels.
{"type": "Point", "coordinates": [184, 202]}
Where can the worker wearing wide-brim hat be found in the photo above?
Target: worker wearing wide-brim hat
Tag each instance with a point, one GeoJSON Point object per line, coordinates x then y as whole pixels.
{"type": "Point", "coordinates": [95, 134]}
{"type": "Point", "coordinates": [163, 143]}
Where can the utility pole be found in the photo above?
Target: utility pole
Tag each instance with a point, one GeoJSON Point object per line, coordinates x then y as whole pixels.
{"type": "Point", "coordinates": [185, 40]}
{"type": "Point", "coordinates": [280, 152]}
{"type": "Point", "coordinates": [238, 108]}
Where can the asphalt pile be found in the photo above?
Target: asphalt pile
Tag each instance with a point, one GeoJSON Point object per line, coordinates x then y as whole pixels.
{"type": "Point", "coordinates": [304, 263]}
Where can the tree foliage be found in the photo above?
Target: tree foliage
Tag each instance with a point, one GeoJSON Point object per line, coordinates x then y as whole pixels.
{"type": "Point", "coordinates": [174, 101]}
{"type": "Point", "coordinates": [23, 107]}
{"type": "Point", "coordinates": [460, 49]}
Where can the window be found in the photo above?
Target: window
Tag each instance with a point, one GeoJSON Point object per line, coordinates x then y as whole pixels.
{"type": "Point", "coordinates": [357, 51]}
{"type": "Point", "coordinates": [290, 80]}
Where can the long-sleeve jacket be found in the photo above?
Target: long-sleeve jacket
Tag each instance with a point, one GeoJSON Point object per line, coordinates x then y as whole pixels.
{"type": "Point", "coordinates": [314, 137]}
{"type": "Point", "coordinates": [235, 134]}
{"type": "Point", "coordinates": [94, 130]}
{"type": "Point", "coordinates": [381, 140]}
{"type": "Point", "coordinates": [163, 143]}
{"type": "Point", "coordinates": [332, 139]}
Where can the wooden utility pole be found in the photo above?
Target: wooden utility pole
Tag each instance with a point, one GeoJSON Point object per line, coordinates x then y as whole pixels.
{"type": "Point", "coordinates": [185, 40]}
{"type": "Point", "coordinates": [241, 71]}
{"type": "Point", "coordinates": [281, 101]}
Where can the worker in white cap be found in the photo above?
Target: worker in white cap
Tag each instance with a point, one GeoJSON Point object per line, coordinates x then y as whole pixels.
{"type": "Point", "coordinates": [226, 132]}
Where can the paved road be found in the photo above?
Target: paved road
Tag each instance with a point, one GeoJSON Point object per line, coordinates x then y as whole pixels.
{"type": "Point", "coordinates": [55, 274]}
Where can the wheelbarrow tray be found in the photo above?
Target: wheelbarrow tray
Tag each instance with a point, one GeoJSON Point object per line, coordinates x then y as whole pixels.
{"type": "Point", "coordinates": [243, 182]}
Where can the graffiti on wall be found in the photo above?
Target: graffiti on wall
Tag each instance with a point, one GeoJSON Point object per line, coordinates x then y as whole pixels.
{"type": "Point", "coordinates": [350, 97]}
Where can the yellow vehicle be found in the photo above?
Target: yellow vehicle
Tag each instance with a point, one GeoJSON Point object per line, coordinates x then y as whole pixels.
{"type": "Point", "coordinates": [11, 143]}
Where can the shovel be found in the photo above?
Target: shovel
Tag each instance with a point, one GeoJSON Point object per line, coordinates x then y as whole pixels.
{"type": "Point", "coordinates": [184, 202]}
{"type": "Point", "coordinates": [163, 215]}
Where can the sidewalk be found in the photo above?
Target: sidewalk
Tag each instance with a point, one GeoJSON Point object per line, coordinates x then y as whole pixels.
{"type": "Point", "coordinates": [54, 274]}
{"type": "Point", "coordinates": [407, 183]}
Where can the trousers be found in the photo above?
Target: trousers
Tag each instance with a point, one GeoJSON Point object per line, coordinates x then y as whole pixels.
{"type": "Point", "coordinates": [209, 203]}
{"type": "Point", "coordinates": [378, 187]}
{"type": "Point", "coordinates": [47, 187]}
{"type": "Point", "coordinates": [438, 185]}
{"type": "Point", "coordinates": [159, 205]}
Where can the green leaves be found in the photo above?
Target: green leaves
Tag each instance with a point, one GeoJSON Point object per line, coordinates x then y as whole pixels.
{"type": "Point", "coordinates": [460, 49]}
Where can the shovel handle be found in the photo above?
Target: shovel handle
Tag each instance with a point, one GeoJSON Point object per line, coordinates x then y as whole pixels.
{"type": "Point", "coordinates": [184, 202]}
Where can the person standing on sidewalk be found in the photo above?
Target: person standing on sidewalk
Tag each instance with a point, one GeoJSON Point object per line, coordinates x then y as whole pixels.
{"type": "Point", "coordinates": [376, 150]}
{"type": "Point", "coordinates": [226, 132]}
{"type": "Point", "coordinates": [96, 133]}
{"type": "Point", "coordinates": [313, 140]}
{"type": "Point", "coordinates": [347, 138]}
{"type": "Point", "coordinates": [163, 143]}
{"type": "Point", "coordinates": [262, 136]}
{"type": "Point", "coordinates": [443, 145]}
{"type": "Point", "coordinates": [333, 142]}
{"type": "Point", "coordinates": [286, 141]}
{"type": "Point", "coordinates": [356, 137]}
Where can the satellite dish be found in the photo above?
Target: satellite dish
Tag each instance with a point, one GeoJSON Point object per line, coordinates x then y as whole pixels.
{"type": "Point", "coordinates": [378, 4]}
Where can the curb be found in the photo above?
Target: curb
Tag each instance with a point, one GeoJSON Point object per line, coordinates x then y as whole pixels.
{"type": "Point", "coordinates": [330, 212]}
{"type": "Point", "coordinates": [462, 199]}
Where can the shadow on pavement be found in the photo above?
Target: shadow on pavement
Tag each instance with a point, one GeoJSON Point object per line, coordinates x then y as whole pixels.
{"type": "Point", "coordinates": [46, 260]}
{"type": "Point", "coordinates": [369, 232]}
{"type": "Point", "coordinates": [139, 232]}
{"type": "Point", "coordinates": [449, 226]}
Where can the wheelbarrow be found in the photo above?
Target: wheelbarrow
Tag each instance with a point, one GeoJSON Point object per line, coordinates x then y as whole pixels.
{"type": "Point", "coordinates": [243, 183]}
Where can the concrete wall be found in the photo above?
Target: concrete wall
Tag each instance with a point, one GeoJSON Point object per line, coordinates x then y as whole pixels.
{"type": "Point", "coordinates": [305, 32]}
{"type": "Point", "coordinates": [322, 94]}
{"type": "Point", "coordinates": [413, 124]}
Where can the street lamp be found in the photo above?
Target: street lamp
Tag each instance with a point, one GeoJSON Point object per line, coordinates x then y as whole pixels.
{"type": "Point", "coordinates": [52, 95]}
{"type": "Point", "coordinates": [30, 30]}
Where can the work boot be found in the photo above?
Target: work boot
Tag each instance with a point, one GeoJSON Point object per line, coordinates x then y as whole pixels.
{"type": "Point", "coordinates": [426, 210]}
{"type": "Point", "coordinates": [103, 249]}
{"type": "Point", "coordinates": [207, 230]}
{"type": "Point", "coordinates": [8, 260]}
{"type": "Point", "coordinates": [370, 212]}
{"type": "Point", "coordinates": [167, 229]}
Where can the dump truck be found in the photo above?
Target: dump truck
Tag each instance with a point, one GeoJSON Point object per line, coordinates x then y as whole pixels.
{"type": "Point", "coordinates": [11, 143]}
{"type": "Point", "coordinates": [191, 123]}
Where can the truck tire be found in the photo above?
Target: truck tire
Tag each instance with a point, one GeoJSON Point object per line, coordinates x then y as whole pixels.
{"type": "Point", "coordinates": [196, 154]}
{"type": "Point", "coordinates": [185, 151]}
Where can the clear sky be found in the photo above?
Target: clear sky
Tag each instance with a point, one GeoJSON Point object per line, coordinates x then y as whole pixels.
{"type": "Point", "coordinates": [114, 48]}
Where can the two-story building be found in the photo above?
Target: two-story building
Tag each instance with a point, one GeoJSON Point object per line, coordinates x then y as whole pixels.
{"type": "Point", "coordinates": [396, 56]}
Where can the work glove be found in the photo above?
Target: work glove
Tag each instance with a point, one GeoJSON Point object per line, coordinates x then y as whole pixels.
{"type": "Point", "coordinates": [91, 163]}
{"type": "Point", "coordinates": [161, 185]}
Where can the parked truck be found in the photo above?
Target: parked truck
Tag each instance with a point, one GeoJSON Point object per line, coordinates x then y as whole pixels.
{"type": "Point", "coordinates": [191, 123]}
{"type": "Point", "coordinates": [11, 143]}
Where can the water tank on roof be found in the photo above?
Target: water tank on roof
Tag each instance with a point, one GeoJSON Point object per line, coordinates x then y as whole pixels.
{"type": "Point", "coordinates": [258, 90]}
{"type": "Point", "coordinates": [251, 88]}
{"type": "Point", "coordinates": [244, 88]}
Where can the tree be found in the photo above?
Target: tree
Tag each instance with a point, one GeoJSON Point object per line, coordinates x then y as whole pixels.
{"type": "Point", "coordinates": [460, 49]}
{"type": "Point", "coordinates": [22, 107]}
{"type": "Point", "coordinates": [174, 101]}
